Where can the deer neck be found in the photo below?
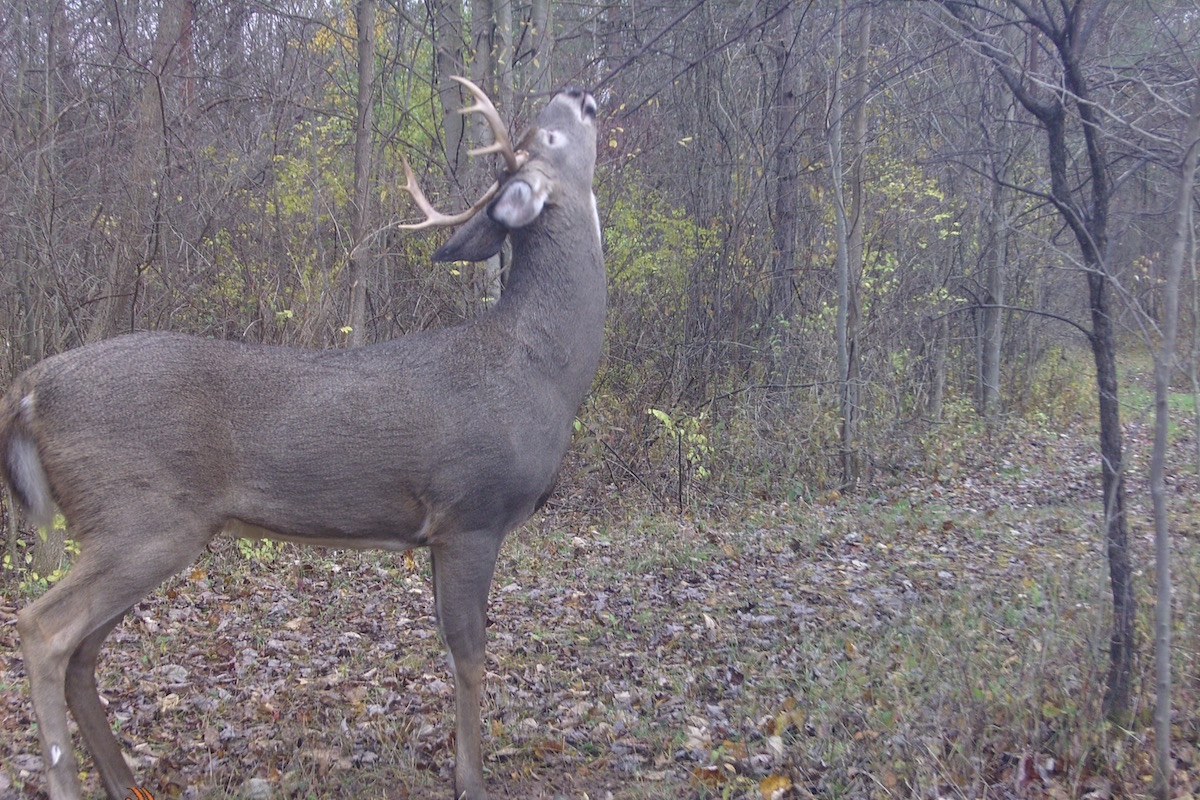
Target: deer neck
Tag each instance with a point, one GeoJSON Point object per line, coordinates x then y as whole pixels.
{"type": "Point", "coordinates": [555, 297]}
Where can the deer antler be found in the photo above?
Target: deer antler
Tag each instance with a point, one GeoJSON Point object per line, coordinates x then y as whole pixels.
{"type": "Point", "coordinates": [433, 217]}
{"type": "Point", "coordinates": [484, 107]}
{"type": "Point", "coordinates": [502, 144]}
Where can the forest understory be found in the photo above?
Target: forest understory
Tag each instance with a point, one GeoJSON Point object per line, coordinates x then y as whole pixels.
{"type": "Point", "coordinates": [942, 633]}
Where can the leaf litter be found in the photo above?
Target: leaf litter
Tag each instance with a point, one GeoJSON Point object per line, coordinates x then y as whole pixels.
{"type": "Point", "coordinates": [941, 636]}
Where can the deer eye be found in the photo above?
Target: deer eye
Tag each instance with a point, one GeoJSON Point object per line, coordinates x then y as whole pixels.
{"type": "Point", "coordinates": [553, 138]}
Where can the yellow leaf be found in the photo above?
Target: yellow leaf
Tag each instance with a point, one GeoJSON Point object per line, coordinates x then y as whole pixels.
{"type": "Point", "coordinates": [773, 787]}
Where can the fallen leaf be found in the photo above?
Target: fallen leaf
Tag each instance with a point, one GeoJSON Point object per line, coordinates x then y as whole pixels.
{"type": "Point", "coordinates": [710, 775]}
{"type": "Point", "coordinates": [773, 787]}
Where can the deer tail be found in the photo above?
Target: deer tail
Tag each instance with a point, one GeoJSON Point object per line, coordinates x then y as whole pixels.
{"type": "Point", "coordinates": [20, 462]}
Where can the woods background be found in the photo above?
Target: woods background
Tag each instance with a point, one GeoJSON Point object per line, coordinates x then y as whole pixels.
{"type": "Point", "coordinates": [828, 226]}
{"type": "Point", "coordinates": [838, 234]}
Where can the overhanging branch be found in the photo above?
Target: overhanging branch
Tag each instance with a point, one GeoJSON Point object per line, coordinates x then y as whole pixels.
{"type": "Point", "coordinates": [1035, 311]}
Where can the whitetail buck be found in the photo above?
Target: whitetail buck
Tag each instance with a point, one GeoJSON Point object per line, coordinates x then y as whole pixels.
{"type": "Point", "coordinates": [151, 444]}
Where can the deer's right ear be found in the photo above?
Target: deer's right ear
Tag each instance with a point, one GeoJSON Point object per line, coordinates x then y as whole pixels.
{"type": "Point", "coordinates": [520, 202]}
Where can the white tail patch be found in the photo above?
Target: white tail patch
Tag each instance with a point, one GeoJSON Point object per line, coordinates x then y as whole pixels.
{"type": "Point", "coordinates": [29, 479]}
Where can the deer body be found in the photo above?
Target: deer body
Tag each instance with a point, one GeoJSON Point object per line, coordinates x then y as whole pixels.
{"type": "Point", "coordinates": [151, 444]}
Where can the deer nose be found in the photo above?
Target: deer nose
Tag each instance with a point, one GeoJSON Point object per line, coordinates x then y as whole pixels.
{"type": "Point", "coordinates": [587, 103]}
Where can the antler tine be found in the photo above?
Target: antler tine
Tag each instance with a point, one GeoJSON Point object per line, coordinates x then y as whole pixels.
{"type": "Point", "coordinates": [433, 217]}
{"type": "Point", "coordinates": [502, 144]}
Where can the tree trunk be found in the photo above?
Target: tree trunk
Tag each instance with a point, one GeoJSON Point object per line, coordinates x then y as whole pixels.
{"type": "Point", "coordinates": [538, 76]}
{"type": "Point", "coordinates": [361, 206]}
{"type": "Point", "coordinates": [138, 241]}
{"type": "Point", "coordinates": [938, 391]}
{"type": "Point", "coordinates": [33, 256]}
{"type": "Point", "coordinates": [849, 225]}
{"type": "Point", "coordinates": [1084, 209]}
{"type": "Point", "coordinates": [1164, 367]}
{"type": "Point", "coordinates": [1194, 361]}
{"type": "Point", "coordinates": [503, 52]}
{"type": "Point", "coordinates": [1121, 644]}
{"type": "Point", "coordinates": [851, 466]}
{"type": "Point", "coordinates": [841, 231]}
{"type": "Point", "coordinates": [786, 180]}
{"type": "Point", "coordinates": [994, 261]}
{"type": "Point", "coordinates": [484, 73]}
{"type": "Point", "coordinates": [449, 44]}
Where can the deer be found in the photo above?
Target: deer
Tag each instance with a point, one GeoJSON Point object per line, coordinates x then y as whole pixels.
{"type": "Point", "coordinates": [150, 444]}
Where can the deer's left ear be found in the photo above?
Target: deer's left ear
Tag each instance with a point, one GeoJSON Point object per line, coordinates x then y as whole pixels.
{"type": "Point", "coordinates": [520, 201]}
{"type": "Point", "coordinates": [478, 239]}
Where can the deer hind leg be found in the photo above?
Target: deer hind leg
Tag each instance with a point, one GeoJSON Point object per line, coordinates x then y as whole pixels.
{"type": "Point", "coordinates": [84, 701]}
{"type": "Point", "coordinates": [61, 634]}
{"type": "Point", "coordinates": [51, 629]}
{"type": "Point", "coordinates": [462, 575]}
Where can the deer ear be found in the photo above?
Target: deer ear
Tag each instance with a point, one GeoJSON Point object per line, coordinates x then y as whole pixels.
{"type": "Point", "coordinates": [520, 202]}
{"type": "Point", "coordinates": [481, 237]}
{"type": "Point", "coordinates": [478, 239]}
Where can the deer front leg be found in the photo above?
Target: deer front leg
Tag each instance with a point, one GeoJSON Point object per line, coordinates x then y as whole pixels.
{"type": "Point", "coordinates": [462, 575]}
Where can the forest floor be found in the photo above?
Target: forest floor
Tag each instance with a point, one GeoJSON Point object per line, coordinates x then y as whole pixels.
{"type": "Point", "coordinates": [942, 635]}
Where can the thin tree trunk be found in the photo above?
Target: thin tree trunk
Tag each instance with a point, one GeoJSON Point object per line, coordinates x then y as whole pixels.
{"type": "Point", "coordinates": [50, 545]}
{"type": "Point", "coordinates": [483, 73]}
{"type": "Point", "coordinates": [1084, 209]}
{"type": "Point", "coordinates": [938, 392]}
{"type": "Point", "coordinates": [851, 467]}
{"type": "Point", "coordinates": [786, 183]}
{"type": "Point", "coordinates": [539, 75]}
{"type": "Point", "coordinates": [841, 228]}
{"type": "Point", "coordinates": [1194, 361]}
{"type": "Point", "coordinates": [849, 226]}
{"type": "Point", "coordinates": [995, 258]}
{"type": "Point", "coordinates": [1121, 645]}
{"type": "Point", "coordinates": [30, 259]}
{"type": "Point", "coordinates": [449, 44]}
{"type": "Point", "coordinates": [1164, 367]}
{"type": "Point", "coordinates": [361, 207]}
{"type": "Point", "coordinates": [503, 56]}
